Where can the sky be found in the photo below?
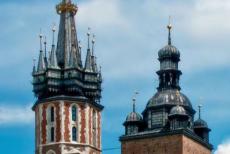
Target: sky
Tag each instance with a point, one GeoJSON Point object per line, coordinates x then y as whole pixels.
{"type": "Point", "coordinates": [129, 35]}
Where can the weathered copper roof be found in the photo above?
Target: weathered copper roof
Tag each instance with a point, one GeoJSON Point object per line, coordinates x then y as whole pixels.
{"type": "Point", "coordinates": [171, 97]}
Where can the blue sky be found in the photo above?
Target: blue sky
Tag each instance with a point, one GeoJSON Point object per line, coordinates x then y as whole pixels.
{"type": "Point", "coordinates": [129, 34]}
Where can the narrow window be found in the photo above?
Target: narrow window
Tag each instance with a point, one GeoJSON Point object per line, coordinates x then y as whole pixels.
{"type": "Point", "coordinates": [52, 114]}
{"type": "Point", "coordinates": [74, 134]}
{"type": "Point", "coordinates": [94, 129]}
{"type": "Point", "coordinates": [74, 113]}
{"type": "Point", "coordinates": [52, 134]}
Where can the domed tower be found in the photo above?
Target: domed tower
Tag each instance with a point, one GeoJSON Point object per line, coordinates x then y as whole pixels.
{"type": "Point", "coordinates": [168, 118]}
{"type": "Point", "coordinates": [201, 127]}
{"type": "Point", "coordinates": [133, 122]}
{"type": "Point", "coordinates": [168, 92]}
{"type": "Point", "coordinates": [68, 109]}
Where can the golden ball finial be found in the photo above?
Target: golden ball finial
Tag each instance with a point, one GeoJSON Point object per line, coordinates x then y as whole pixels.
{"type": "Point", "coordinates": [169, 26]}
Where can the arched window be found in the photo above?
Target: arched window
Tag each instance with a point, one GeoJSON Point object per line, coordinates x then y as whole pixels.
{"type": "Point", "coordinates": [52, 134]}
{"type": "Point", "coordinates": [74, 134]}
{"type": "Point", "coordinates": [52, 114]}
{"type": "Point", "coordinates": [74, 113]}
{"type": "Point", "coordinates": [50, 152]}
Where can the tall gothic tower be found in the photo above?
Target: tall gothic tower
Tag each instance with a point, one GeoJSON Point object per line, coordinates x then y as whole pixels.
{"type": "Point", "coordinates": [68, 109]}
{"type": "Point", "coordinates": [167, 124]}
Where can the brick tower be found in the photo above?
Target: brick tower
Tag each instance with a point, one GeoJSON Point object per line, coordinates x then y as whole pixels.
{"type": "Point", "coordinates": [68, 109]}
{"type": "Point", "coordinates": [167, 124]}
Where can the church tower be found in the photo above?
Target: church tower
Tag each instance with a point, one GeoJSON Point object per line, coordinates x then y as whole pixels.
{"type": "Point", "coordinates": [167, 124]}
{"type": "Point", "coordinates": [68, 109]}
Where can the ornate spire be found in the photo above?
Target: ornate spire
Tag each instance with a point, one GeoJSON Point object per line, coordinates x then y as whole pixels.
{"type": "Point", "coordinates": [41, 63]}
{"type": "Point", "coordinates": [134, 101]}
{"type": "Point", "coordinates": [67, 36]}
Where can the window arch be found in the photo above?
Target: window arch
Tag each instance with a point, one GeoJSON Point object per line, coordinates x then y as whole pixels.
{"type": "Point", "coordinates": [74, 113]}
{"type": "Point", "coordinates": [74, 134]}
{"type": "Point", "coordinates": [52, 114]}
{"type": "Point", "coordinates": [50, 152]}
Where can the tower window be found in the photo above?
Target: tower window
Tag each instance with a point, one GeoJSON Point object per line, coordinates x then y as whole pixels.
{"type": "Point", "coordinates": [94, 129]}
{"type": "Point", "coordinates": [74, 134]}
{"type": "Point", "coordinates": [52, 134]}
{"type": "Point", "coordinates": [52, 114]}
{"type": "Point", "coordinates": [74, 113]}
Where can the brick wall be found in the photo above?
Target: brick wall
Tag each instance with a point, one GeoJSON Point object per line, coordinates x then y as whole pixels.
{"type": "Point", "coordinates": [174, 144]}
{"type": "Point", "coordinates": [63, 126]}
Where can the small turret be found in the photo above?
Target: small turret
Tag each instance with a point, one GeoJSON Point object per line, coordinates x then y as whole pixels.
{"type": "Point", "coordinates": [178, 118]}
{"type": "Point", "coordinates": [201, 127]}
{"type": "Point", "coordinates": [133, 122]}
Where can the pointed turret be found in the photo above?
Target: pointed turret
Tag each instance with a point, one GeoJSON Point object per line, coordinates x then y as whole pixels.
{"type": "Point", "coordinates": [93, 57]}
{"type": "Point", "coordinates": [41, 63]}
{"type": "Point", "coordinates": [88, 61]}
{"type": "Point", "coordinates": [79, 57]}
{"type": "Point", "coordinates": [53, 57]}
{"type": "Point", "coordinates": [73, 60]}
{"type": "Point", "coordinates": [201, 127]}
{"type": "Point", "coordinates": [34, 66]}
{"type": "Point", "coordinates": [67, 37]}
{"type": "Point", "coordinates": [133, 122]}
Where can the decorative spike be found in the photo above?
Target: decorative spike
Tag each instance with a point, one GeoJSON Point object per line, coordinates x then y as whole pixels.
{"type": "Point", "coordinates": [134, 101]}
{"type": "Point", "coordinates": [40, 36]}
{"type": "Point", "coordinates": [88, 34]}
{"type": "Point", "coordinates": [53, 30]}
{"type": "Point", "coordinates": [199, 107]}
{"type": "Point", "coordinates": [169, 29]}
{"type": "Point", "coordinates": [53, 58]}
{"type": "Point", "coordinates": [93, 43]}
{"type": "Point", "coordinates": [45, 45]}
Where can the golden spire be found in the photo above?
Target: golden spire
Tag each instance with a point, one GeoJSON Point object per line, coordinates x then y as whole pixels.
{"type": "Point", "coordinates": [66, 6]}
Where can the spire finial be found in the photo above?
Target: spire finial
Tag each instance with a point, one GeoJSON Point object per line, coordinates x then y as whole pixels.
{"type": "Point", "coordinates": [199, 106]}
{"type": "Point", "coordinates": [88, 34]}
{"type": "Point", "coordinates": [45, 42]}
{"type": "Point", "coordinates": [169, 26]}
{"type": "Point", "coordinates": [93, 43]}
{"type": "Point", "coordinates": [134, 101]}
{"type": "Point", "coordinates": [53, 30]}
{"type": "Point", "coordinates": [40, 36]}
